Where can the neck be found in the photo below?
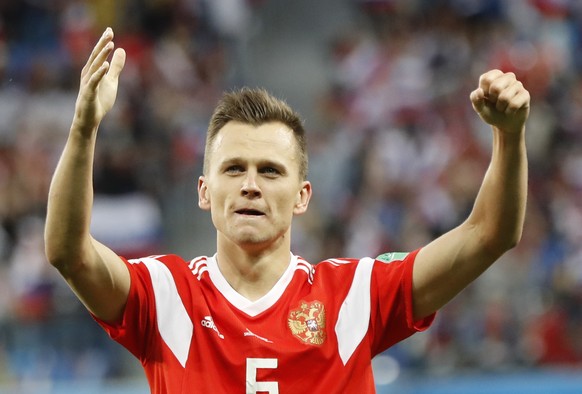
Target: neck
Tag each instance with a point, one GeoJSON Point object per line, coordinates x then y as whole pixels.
{"type": "Point", "coordinates": [250, 270]}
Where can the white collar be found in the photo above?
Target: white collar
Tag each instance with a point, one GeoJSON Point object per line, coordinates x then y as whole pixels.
{"type": "Point", "coordinates": [251, 308]}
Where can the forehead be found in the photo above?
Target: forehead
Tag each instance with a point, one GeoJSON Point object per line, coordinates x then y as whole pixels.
{"type": "Point", "coordinates": [272, 140]}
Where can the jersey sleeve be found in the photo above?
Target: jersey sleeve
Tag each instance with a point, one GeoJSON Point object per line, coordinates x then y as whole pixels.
{"type": "Point", "coordinates": [137, 324]}
{"type": "Point", "coordinates": [391, 301]}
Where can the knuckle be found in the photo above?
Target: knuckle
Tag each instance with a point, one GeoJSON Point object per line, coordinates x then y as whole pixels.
{"type": "Point", "coordinates": [504, 96]}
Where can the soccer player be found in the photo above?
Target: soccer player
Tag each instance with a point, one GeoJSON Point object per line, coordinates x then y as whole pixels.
{"type": "Point", "coordinates": [255, 318]}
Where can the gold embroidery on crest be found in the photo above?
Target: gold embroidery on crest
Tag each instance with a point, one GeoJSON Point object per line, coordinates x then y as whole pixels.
{"type": "Point", "coordinates": [308, 323]}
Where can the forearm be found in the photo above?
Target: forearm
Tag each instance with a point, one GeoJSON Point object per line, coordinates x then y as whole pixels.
{"type": "Point", "coordinates": [499, 211]}
{"type": "Point", "coordinates": [493, 227]}
{"type": "Point", "coordinates": [70, 200]}
{"type": "Point", "coordinates": [447, 265]}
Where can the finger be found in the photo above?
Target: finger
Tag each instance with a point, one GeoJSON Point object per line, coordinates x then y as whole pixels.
{"type": "Point", "coordinates": [487, 79]}
{"type": "Point", "coordinates": [101, 58]}
{"type": "Point", "coordinates": [477, 97]}
{"type": "Point", "coordinates": [521, 101]}
{"type": "Point", "coordinates": [500, 84]}
{"type": "Point", "coordinates": [97, 76]}
{"type": "Point", "coordinates": [117, 63]}
{"type": "Point", "coordinates": [507, 94]}
{"type": "Point", "coordinates": [105, 38]}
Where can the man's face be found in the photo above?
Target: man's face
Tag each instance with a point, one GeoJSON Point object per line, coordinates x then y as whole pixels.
{"type": "Point", "coordinates": [252, 185]}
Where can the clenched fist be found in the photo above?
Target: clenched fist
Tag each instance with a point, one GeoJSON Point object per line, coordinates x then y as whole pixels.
{"type": "Point", "coordinates": [501, 101]}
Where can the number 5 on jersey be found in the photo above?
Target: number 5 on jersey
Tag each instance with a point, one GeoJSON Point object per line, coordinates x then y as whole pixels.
{"type": "Point", "coordinates": [254, 387]}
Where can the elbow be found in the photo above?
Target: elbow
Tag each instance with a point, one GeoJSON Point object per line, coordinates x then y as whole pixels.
{"type": "Point", "coordinates": [52, 250]}
{"type": "Point", "coordinates": [503, 242]}
{"type": "Point", "coordinates": [515, 241]}
{"type": "Point", "coordinates": [64, 257]}
{"type": "Point", "coordinates": [496, 237]}
{"type": "Point", "coordinates": [512, 238]}
{"type": "Point", "coordinates": [57, 257]}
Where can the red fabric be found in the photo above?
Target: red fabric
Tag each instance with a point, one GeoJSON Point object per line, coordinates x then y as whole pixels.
{"type": "Point", "coordinates": [222, 354]}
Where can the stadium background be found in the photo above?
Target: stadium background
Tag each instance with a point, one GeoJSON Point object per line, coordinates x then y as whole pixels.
{"type": "Point", "coordinates": [397, 155]}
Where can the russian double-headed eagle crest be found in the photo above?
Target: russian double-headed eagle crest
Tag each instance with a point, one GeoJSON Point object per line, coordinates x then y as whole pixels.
{"type": "Point", "coordinates": [307, 323]}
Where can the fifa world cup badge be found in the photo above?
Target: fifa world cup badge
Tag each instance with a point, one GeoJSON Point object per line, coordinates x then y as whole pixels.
{"type": "Point", "coordinates": [307, 323]}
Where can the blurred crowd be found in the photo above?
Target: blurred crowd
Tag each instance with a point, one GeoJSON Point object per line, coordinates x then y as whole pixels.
{"type": "Point", "coordinates": [396, 160]}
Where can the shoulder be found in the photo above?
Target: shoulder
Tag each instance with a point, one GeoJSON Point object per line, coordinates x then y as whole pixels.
{"type": "Point", "coordinates": [343, 265]}
{"type": "Point", "coordinates": [341, 268]}
{"type": "Point", "coordinates": [347, 263]}
{"type": "Point", "coordinates": [171, 262]}
{"type": "Point", "coordinates": [166, 275]}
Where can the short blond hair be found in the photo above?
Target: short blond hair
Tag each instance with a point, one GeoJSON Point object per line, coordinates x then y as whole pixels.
{"type": "Point", "coordinates": [256, 107]}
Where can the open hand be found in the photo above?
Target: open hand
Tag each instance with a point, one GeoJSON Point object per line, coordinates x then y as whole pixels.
{"type": "Point", "coordinates": [501, 101]}
{"type": "Point", "coordinates": [99, 81]}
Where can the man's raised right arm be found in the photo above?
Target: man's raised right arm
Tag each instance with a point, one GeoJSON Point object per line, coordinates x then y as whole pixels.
{"type": "Point", "coordinates": [95, 273]}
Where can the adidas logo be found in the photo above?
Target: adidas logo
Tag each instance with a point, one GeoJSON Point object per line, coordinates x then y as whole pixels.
{"type": "Point", "coordinates": [209, 323]}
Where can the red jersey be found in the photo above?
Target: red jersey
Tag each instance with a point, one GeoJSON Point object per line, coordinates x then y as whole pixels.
{"type": "Point", "coordinates": [316, 330]}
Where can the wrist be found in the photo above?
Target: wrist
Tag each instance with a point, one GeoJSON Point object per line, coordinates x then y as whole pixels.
{"type": "Point", "coordinates": [83, 129]}
{"type": "Point", "coordinates": [509, 140]}
{"type": "Point", "coordinates": [510, 133]}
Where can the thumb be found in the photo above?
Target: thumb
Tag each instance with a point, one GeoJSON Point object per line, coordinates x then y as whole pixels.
{"type": "Point", "coordinates": [117, 63]}
{"type": "Point", "coordinates": [478, 99]}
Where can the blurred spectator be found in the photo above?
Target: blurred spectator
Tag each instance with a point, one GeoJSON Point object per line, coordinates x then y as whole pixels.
{"type": "Point", "coordinates": [398, 163]}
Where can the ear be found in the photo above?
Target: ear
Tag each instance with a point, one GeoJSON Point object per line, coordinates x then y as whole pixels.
{"type": "Point", "coordinates": [203, 195]}
{"type": "Point", "coordinates": [303, 198]}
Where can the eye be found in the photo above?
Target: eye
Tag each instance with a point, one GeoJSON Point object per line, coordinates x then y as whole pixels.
{"type": "Point", "coordinates": [234, 169]}
{"type": "Point", "coordinates": [270, 171]}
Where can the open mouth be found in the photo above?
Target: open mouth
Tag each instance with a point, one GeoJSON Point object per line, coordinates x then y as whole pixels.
{"type": "Point", "coordinates": [250, 212]}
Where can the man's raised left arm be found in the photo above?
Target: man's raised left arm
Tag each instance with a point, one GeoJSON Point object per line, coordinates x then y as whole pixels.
{"type": "Point", "coordinates": [444, 267]}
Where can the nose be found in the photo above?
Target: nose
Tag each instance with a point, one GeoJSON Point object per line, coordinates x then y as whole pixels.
{"type": "Point", "coordinates": [250, 188]}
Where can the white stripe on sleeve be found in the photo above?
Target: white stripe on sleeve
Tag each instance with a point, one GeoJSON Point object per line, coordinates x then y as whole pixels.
{"type": "Point", "coordinates": [174, 324]}
{"type": "Point", "coordinates": [354, 315]}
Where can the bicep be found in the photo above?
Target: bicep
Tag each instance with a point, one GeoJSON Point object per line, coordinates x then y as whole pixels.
{"type": "Point", "coordinates": [447, 265]}
{"type": "Point", "coordinates": [102, 282]}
